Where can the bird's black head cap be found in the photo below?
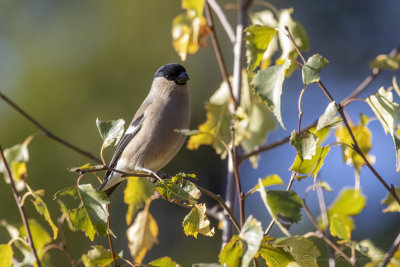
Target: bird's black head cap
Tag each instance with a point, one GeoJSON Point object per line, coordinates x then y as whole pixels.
{"type": "Point", "coordinates": [173, 72]}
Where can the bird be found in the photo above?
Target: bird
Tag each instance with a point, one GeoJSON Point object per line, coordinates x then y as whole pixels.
{"type": "Point", "coordinates": [151, 140]}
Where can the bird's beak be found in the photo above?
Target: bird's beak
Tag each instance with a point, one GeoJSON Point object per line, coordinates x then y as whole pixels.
{"type": "Point", "coordinates": [182, 78]}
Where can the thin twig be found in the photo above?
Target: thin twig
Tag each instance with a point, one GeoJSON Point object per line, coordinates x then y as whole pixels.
{"type": "Point", "coordinates": [47, 132]}
{"type": "Point", "coordinates": [218, 52]}
{"type": "Point", "coordinates": [360, 88]}
{"type": "Point", "coordinates": [20, 207]}
{"type": "Point", "coordinates": [64, 241]}
{"type": "Point", "coordinates": [299, 107]}
{"type": "Point", "coordinates": [327, 240]}
{"type": "Point", "coordinates": [109, 236]}
{"type": "Point", "coordinates": [392, 250]}
{"type": "Point", "coordinates": [222, 18]}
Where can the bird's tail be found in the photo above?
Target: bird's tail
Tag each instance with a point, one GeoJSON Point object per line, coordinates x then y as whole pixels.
{"type": "Point", "coordinates": [108, 191]}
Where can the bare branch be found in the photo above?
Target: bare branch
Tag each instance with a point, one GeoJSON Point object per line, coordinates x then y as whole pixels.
{"type": "Point", "coordinates": [392, 250]}
{"type": "Point", "coordinates": [222, 18]}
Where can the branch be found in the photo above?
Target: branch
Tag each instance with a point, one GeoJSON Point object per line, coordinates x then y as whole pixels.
{"type": "Point", "coordinates": [222, 18]}
{"type": "Point", "coordinates": [47, 132]}
{"type": "Point", "coordinates": [109, 236]}
{"type": "Point", "coordinates": [363, 85]}
{"type": "Point", "coordinates": [218, 52]}
{"type": "Point", "coordinates": [392, 250]}
{"type": "Point", "coordinates": [20, 207]}
{"type": "Point", "coordinates": [327, 240]}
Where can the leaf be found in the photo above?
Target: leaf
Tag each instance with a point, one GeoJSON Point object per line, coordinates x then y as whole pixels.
{"type": "Point", "coordinates": [232, 253]}
{"type": "Point", "coordinates": [385, 109]}
{"type": "Point", "coordinates": [324, 185]}
{"type": "Point", "coordinates": [367, 248]}
{"type": "Point", "coordinates": [214, 130]}
{"type": "Point", "coordinates": [6, 255]}
{"type": "Point", "coordinates": [328, 116]}
{"type": "Point", "coordinates": [66, 213]}
{"type": "Point", "coordinates": [176, 188]}
{"type": "Point", "coordinates": [396, 85]}
{"type": "Point", "coordinates": [40, 236]}
{"type": "Point", "coordinates": [110, 131]}
{"type": "Point", "coordinates": [197, 222]}
{"type": "Point", "coordinates": [268, 86]}
{"type": "Point", "coordinates": [97, 257]}
{"type": "Point", "coordinates": [137, 191]}
{"type": "Point", "coordinates": [41, 207]}
{"type": "Point", "coordinates": [163, 262]}
{"type": "Point", "coordinates": [385, 62]}
{"type": "Point", "coordinates": [311, 70]}
{"type": "Point", "coordinates": [275, 256]}
{"type": "Point", "coordinates": [303, 250]}
{"type": "Point", "coordinates": [206, 265]}
{"type": "Point", "coordinates": [339, 228]}
{"type": "Point", "coordinates": [313, 165]}
{"type": "Point", "coordinates": [190, 30]}
{"type": "Point", "coordinates": [142, 234]}
{"type": "Point", "coordinates": [363, 137]}
{"type": "Point", "coordinates": [392, 205]}
{"type": "Point", "coordinates": [257, 39]}
{"type": "Point", "coordinates": [305, 144]}
{"type": "Point", "coordinates": [16, 158]}
{"type": "Point", "coordinates": [270, 180]}
{"type": "Point", "coordinates": [252, 235]}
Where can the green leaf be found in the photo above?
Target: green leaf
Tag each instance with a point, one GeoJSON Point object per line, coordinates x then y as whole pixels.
{"type": "Point", "coordinates": [392, 205]}
{"type": "Point", "coordinates": [41, 207]}
{"type": "Point", "coordinates": [275, 256]}
{"type": "Point", "coordinates": [303, 250]}
{"type": "Point", "coordinates": [176, 188]}
{"type": "Point", "coordinates": [257, 39]}
{"type": "Point", "coordinates": [339, 228]}
{"type": "Point", "coordinates": [329, 115]}
{"type": "Point", "coordinates": [252, 235]}
{"type": "Point", "coordinates": [66, 213]}
{"type": "Point", "coordinates": [268, 86]}
{"type": "Point", "coordinates": [232, 253]}
{"type": "Point", "coordinates": [40, 236]}
{"type": "Point", "coordinates": [385, 109]}
{"type": "Point", "coordinates": [385, 62]}
{"type": "Point", "coordinates": [214, 130]}
{"type": "Point", "coordinates": [80, 220]}
{"type": "Point", "coordinates": [313, 165]}
{"type": "Point", "coordinates": [305, 144]}
{"type": "Point", "coordinates": [197, 222]}
{"type": "Point", "coordinates": [363, 137]}
{"type": "Point", "coordinates": [110, 131]}
{"type": "Point", "coordinates": [142, 235]}
{"type": "Point", "coordinates": [163, 262]}
{"type": "Point", "coordinates": [6, 255]}
{"type": "Point", "coordinates": [311, 70]}
{"type": "Point", "coordinates": [97, 257]}
{"type": "Point", "coordinates": [68, 191]}
{"type": "Point", "coordinates": [137, 191]}
{"type": "Point", "coordinates": [270, 180]}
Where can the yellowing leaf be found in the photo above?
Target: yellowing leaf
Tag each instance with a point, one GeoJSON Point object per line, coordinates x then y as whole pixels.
{"type": "Point", "coordinates": [197, 222]}
{"type": "Point", "coordinates": [303, 250]}
{"type": "Point", "coordinates": [97, 257]}
{"type": "Point", "coordinates": [305, 144]}
{"type": "Point", "coordinates": [268, 86]}
{"type": "Point", "coordinates": [363, 137]}
{"type": "Point", "coordinates": [137, 191]}
{"type": "Point", "coordinates": [275, 256]}
{"type": "Point", "coordinates": [39, 235]}
{"type": "Point", "coordinates": [232, 253]}
{"type": "Point", "coordinates": [385, 62]}
{"type": "Point", "coordinates": [393, 206]}
{"type": "Point", "coordinates": [311, 70]}
{"type": "Point", "coordinates": [163, 262]}
{"type": "Point", "coordinates": [195, 6]}
{"type": "Point", "coordinates": [270, 180]}
{"type": "Point", "coordinates": [6, 255]}
{"type": "Point", "coordinates": [178, 189]}
{"type": "Point", "coordinates": [313, 165]}
{"type": "Point", "coordinates": [257, 39]}
{"type": "Point", "coordinates": [338, 228]}
{"type": "Point", "coordinates": [142, 235]}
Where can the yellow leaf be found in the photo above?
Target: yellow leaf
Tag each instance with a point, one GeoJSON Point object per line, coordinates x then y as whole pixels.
{"type": "Point", "coordinates": [142, 235]}
{"type": "Point", "coordinates": [197, 222]}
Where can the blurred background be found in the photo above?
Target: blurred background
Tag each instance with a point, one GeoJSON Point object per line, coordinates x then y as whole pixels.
{"type": "Point", "coordinates": [69, 62]}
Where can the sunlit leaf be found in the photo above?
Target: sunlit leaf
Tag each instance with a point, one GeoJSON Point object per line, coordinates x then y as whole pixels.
{"type": "Point", "coordinates": [177, 188]}
{"type": "Point", "coordinates": [268, 86]}
{"type": "Point", "coordinates": [363, 137]}
{"type": "Point", "coordinates": [6, 255]}
{"type": "Point", "coordinates": [232, 253]}
{"type": "Point", "coordinates": [324, 185]}
{"type": "Point", "coordinates": [163, 262]}
{"type": "Point", "coordinates": [385, 62]}
{"type": "Point", "coordinates": [40, 236]}
{"type": "Point", "coordinates": [215, 129]}
{"type": "Point", "coordinates": [195, 6]}
{"type": "Point", "coordinates": [270, 180]}
{"type": "Point", "coordinates": [16, 157]}
{"type": "Point", "coordinates": [206, 265]}
{"type": "Point", "coordinates": [257, 39]}
{"type": "Point", "coordinates": [97, 257]}
{"type": "Point", "coordinates": [303, 250]}
{"type": "Point", "coordinates": [339, 228]}
{"type": "Point", "coordinates": [313, 165]}
{"type": "Point", "coordinates": [41, 207]}
{"type": "Point", "coordinates": [142, 235]}
{"type": "Point", "coordinates": [311, 70]}
{"type": "Point", "coordinates": [305, 144]}
{"type": "Point", "coordinates": [137, 191]}
{"type": "Point", "coordinates": [396, 85]}
{"type": "Point", "coordinates": [367, 248]}
{"type": "Point", "coordinates": [197, 222]}
{"type": "Point", "coordinates": [252, 235]}
{"type": "Point", "coordinates": [275, 256]}
{"type": "Point", "coordinates": [328, 116]}
{"type": "Point", "coordinates": [110, 131]}
{"type": "Point", "coordinates": [392, 204]}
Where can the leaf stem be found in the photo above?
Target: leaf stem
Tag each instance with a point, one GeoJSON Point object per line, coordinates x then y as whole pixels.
{"type": "Point", "coordinates": [46, 131]}
{"type": "Point", "coordinates": [20, 207]}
